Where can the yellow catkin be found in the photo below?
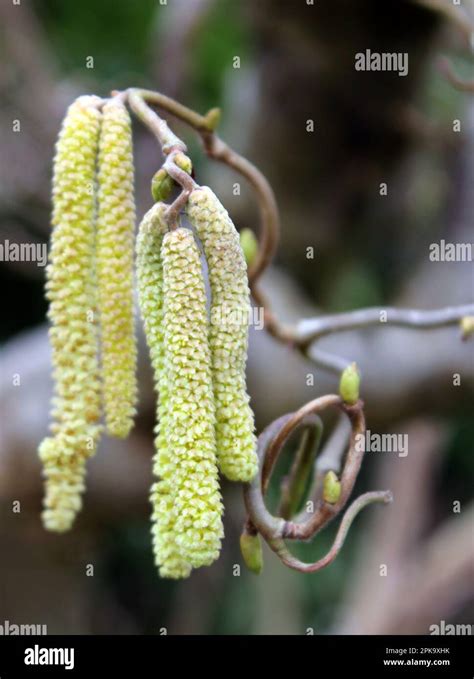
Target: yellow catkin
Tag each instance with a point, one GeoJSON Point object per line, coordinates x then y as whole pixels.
{"type": "Point", "coordinates": [73, 332]}
{"type": "Point", "coordinates": [150, 295]}
{"type": "Point", "coordinates": [230, 306]}
{"type": "Point", "coordinates": [191, 469]}
{"type": "Point", "coordinates": [115, 235]}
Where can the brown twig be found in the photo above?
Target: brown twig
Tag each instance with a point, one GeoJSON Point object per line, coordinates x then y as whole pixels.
{"type": "Point", "coordinates": [279, 547]}
{"type": "Point", "coordinates": [269, 216]}
{"type": "Point", "coordinates": [274, 529]}
{"type": "Point", "coordinates": [313, 329]}
{"type": "Point", "coordinates": [159, 127]}
{"type": "Point", "coordinates": [217, 149]}
{"type": "Point", "coordinates": [295, 483]}
{"type": "Point", "coordinates": [304, 335]}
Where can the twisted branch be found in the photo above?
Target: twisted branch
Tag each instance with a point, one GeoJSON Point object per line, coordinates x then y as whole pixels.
{"type": "Point", "coordinates": [275, 530]}
{"type": "Point", "coordinates": [280, 548]}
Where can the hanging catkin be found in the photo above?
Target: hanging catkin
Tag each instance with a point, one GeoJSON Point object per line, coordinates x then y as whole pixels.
{"type": "Point", "coordinates": [230, 305]}
{"type": "Point", "coordinates": [73, 331]}
{"type": "Point", "coordinates": [192, 470]}
{"type": "Point", "coordinates": [115, 234]}
{"type": "Point", "coordinates": [150, 295]}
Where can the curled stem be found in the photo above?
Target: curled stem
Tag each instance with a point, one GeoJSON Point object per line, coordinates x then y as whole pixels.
{"type": "Point", "coordinates": [279, 547]}
{"type": "Point", "coordinates": [295, 484]}
{"type": "Point", "coordinates": [185, 181]}
{"type": "Point", "coordinates": [276, 530]}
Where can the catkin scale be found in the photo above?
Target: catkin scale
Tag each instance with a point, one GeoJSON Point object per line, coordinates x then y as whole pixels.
{"type": "Point", "coordinates": [191, 468]}
{"type": "Point", "coordinates": [115, 234]}
{"type": "Point", "coordinates": [73, 331]}
{"type": "Point", "coordinates": [230, 305]}
{"type": "Point", "coordinates": [150, 296]}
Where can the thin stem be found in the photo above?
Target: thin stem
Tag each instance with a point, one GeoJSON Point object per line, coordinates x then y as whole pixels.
{"type": "Point", "coordinates": [279, 547]}
{"type": "Point", "coordinates": [281, 332]}
{"type": "Point", "coordinates": [186, 182]}
{"type": "Point", "coordinates": [217, 149]}
{"type": "Point", "coordinates": [269, 216]}
{"type": "Point", "coordinates": [195, 120]}
{"type": "Point", "coordinates": [294, 485]}
{"type": "Point", "coordinates": [330, 458]}
{"type": "Point", "coordinates": [310, 330]}
{"type": "Point", "coordinates": [296, 419]}
{"type": "Point", "coordinates": [323, 511]}
{"type": "Point", "coordinates": [159, 127]}
{"type": "Point", "coordinates": [259, 518]}
{"type": "Point", "coordinates": [270, 444]}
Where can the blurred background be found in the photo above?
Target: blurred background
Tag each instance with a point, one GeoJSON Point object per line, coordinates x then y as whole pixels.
{"type": "Point", "coordinates": [296, 63]}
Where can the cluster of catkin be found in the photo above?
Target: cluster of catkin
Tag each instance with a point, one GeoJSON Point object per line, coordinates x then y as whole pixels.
{"type": "Point", "coordinates": [198, 355]}
{"type": "Point", "coordinates": [198, 348]}
{"type": "Point", "coordinates": [90, 292]}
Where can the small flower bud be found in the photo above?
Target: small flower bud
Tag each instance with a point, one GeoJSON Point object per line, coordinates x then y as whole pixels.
{"type": "Point", "coordinates": [331, 488]}
{"type": "Point", "coordinates": [213, 117]}
{"type": "Point", "coordinates": [230, 306]}
{"type": "Point", "coordinates": [251, 548]}
{"type": "Point", "coordinates": [467, 327]}
{"type": "Point", "coordinates": [115, 236]}
{"type": "Point", "coordinates": [349, 384]}
{"type": "Point", "coordinates": [249, 245]}
{"type": "Point", "coordinates": [161, 186]}
{"type": "Point", "coordinates": [183, 162]}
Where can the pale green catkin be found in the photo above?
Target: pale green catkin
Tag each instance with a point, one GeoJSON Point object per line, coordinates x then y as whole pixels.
{"type": "Point", "coordinates": [230, 306]}
{"type": "Point", "coordinates": [150, 296]}
{"type": "Point", "coordinates": [115, 236]}
{"type": "Point", "coordinates": [73, 332]}
{"type": "Point", "coordinates": [191, 469]}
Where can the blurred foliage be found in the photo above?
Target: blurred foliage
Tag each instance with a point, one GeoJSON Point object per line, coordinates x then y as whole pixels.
{"type": "Point", "coordinates": [227, 36]}
{"type": "Point", "coordinates": [458, 462]}
{"type": "Point", "coordinates": [116, 34]}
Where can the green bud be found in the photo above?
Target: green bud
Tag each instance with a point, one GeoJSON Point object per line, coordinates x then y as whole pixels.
{"type": "Point", "coordinates": [467, 326]}
{"type": "Point", "coordinates": [249, 245]}
{"type": "Point", "coordinates": [183, 162]}
{"type": "Point", "coordinates": [213, 118]}
{"type": "Point", "coordinates": [251, 549]}
{"type": "Point", "coordinates": [161, 186]}
{"type": "Point", "coordinates": [331, 488]}
{"type": "Point", "coordinates": [349, 384]}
